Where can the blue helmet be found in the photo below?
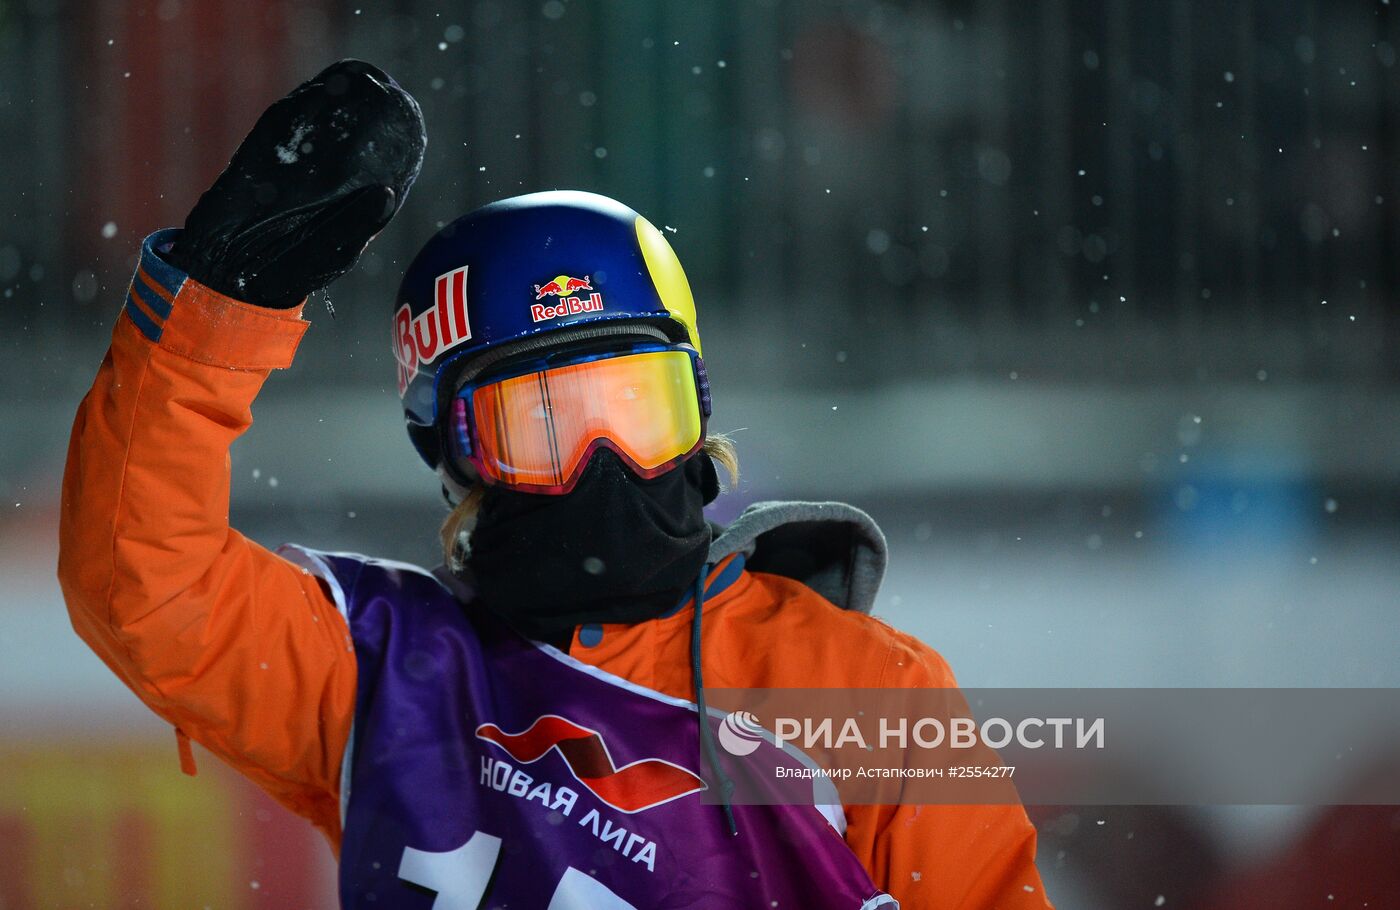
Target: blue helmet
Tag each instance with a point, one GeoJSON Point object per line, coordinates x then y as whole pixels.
{"type": "Point", "coordinates": [528, 273]}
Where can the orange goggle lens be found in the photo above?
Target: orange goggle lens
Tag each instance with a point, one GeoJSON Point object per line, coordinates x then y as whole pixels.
{"type": "Point", "coordinates": [537, 430]}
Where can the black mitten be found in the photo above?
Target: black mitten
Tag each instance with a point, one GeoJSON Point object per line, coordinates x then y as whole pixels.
{"type": "Point", "coordinates": [322, 171]}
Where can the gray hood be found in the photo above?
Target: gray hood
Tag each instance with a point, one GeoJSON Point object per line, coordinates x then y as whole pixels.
{"type": "Point", "coordinates": [833, 548]}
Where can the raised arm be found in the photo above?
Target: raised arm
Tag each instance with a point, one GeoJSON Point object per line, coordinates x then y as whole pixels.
{"type": "Point", "coordinates": [238, 648]}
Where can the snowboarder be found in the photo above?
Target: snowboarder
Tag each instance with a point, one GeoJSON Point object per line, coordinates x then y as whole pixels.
{"type": "Point", "coordinates": [524, 726]}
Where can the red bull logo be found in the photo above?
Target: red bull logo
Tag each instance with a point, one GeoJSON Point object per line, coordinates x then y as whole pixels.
{"type": "Point", "coordinates": [433, 332]}
{"type": "Point", "coordinates": [562, 286]}
{"type": "Point", "coordinates": [565, 287]}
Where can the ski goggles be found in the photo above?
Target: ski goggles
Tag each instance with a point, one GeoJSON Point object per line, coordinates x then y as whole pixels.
{"type": "Point", "coordinates": [535, 427]}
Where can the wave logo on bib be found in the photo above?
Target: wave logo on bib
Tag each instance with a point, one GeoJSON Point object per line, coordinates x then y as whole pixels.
{"type": "Point", "coordinates": [740, 733]}
{"type": "Point", "coordinates": [634, 787]}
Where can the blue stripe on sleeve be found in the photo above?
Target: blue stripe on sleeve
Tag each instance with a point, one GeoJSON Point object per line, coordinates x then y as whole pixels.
{"type": "Point", "coordinates": [143, 322]}
{"type": "Point", "coordinates": [153, 301]}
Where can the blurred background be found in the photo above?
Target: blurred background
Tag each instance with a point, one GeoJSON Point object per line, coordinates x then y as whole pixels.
{"type": "Point", "coordinates": [1092, 304]}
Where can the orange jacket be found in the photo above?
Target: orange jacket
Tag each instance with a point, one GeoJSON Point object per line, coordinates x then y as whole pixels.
{"type": "Point", "coordinates": [245, 652]}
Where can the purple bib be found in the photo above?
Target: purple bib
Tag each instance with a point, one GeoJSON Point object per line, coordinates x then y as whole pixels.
{"type": "Point", "coordinates": [487, 771]}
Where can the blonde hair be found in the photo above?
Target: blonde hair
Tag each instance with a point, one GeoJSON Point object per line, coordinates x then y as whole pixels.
{"type": "Point", "coordinates": [457, 527]}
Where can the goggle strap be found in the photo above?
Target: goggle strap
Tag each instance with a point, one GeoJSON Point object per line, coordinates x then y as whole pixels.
{"type": "Point", "coordinates": [549, 340]}
{"type": "Point", "coordinates": [703, 379]}
{"type": "Point", "coordinates": [459, 427]}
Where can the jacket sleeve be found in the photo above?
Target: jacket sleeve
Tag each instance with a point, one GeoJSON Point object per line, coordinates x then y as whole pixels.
{"type": "Point", "coordinates": [236, 647]}
{"type": "Point", "coordinates": [935, 857]}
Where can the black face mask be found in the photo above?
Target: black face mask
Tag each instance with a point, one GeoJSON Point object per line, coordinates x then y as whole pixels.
{"type": "Point", "coordinates": [617, 548]}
